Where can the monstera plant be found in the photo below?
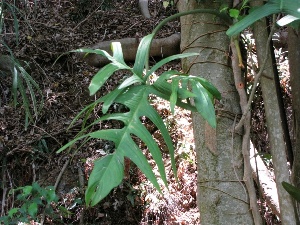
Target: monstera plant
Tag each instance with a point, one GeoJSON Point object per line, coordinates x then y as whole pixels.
{"type": "Point", "coordinates": [133, 93]}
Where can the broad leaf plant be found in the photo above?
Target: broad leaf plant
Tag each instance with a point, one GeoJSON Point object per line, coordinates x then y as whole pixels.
{"type": "Point", "coordinates": [133, 92]}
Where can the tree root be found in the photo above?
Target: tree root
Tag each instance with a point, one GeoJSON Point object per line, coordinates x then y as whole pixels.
{"type": "Point", "coordinates": [264, 180]}
{"type": "Point", "coordinates": [161, 47]}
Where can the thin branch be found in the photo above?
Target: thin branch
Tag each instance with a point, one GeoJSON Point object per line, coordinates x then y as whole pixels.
{"type": "Point", "coordinates": [79, 24]}
{"type": "Point", "coordinates": [233, 161]}
{"type": "Point", "coordinates": [61, 173]}
{"type": "Point", "coordinates": [256, 80]}
{"type": "Point", "coordinates": [236, 68]}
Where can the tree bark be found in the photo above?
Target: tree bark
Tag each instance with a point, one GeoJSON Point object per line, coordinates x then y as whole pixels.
{"type": "Point", "coordinates": [222, 197]}
{"type": "Point", "coordinates": [294, 58]}
{"type": "Point", "coordinates": [274, 125]}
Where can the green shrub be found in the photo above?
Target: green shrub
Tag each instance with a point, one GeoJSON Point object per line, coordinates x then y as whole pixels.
{"type": "Point", "coordinates": [33, 200]}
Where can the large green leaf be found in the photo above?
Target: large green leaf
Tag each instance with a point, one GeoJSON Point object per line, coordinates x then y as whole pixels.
{"type": "Point", "coordinates": [255, 15]}
{"type": "Point", "coordinates": [202, 91]}
{"type": "Point", "coordinates": [291, 7]}
{"type": "Point", "coordinates": [136, 99]}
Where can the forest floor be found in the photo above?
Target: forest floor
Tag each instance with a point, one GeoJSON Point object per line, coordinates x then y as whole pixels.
{"type": "Point", "coordinates": [46, 31]}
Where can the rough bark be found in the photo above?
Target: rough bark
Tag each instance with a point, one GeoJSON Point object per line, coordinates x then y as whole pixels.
{"type": "Point", "coordinates": [274, 125]}
{"type": "Point", "coordinates": [222, 197]}
{"type": "Point", "coordinates": [161, 47]}
{"type": "Point", "coordinates": [294, 57]}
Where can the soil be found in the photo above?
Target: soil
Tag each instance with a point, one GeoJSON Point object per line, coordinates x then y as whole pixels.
{"type": "Point", "coordinates": [48, 29]}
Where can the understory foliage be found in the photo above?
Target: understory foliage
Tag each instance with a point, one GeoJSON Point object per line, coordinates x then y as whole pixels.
{"type": "Point", "coordinates": [33, 199]}
{"type": "Point", "coordinates": [133, 93]}
{"type": "Point", "coordinates": [24, 88]}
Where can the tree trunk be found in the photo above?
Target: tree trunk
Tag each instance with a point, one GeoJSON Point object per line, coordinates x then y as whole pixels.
{"type": "Point", "coordinates": [222, 197]}
{"type": "Point", "coordinates": [274, 124]}
{"type": "Point", "coordinates": [294, 57]}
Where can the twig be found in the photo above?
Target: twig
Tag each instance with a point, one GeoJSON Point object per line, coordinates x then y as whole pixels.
{"type": "Point", "coordinates": [81, 184]}
{"type": "Point", "coordinates": [88, 16]}
{"type": "Point", "coordinates": [61, 173]}
{"type": "Point", "coordinates": [4, 188]}
{"type": "Point", "coordinates": [55, 186]}
{"type": "Point", "coordinates": [47, 134]}
{"type": "Point", "coordinates": [246, 137]}
{"type": "Point", "coordinates": [256, 79]}
{"type": "Point", "coordinates": [33, 171]}
{"type": "Point", "coordinates": [235, 164]}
